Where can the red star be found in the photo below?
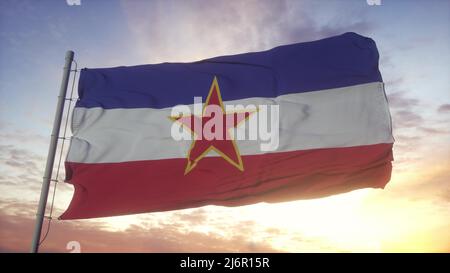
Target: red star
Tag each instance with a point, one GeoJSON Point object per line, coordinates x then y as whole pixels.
{"type": "Point", "coordinates": [224, 145]}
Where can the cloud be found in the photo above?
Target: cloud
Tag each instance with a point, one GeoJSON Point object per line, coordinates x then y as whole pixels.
{"type": "Point", "coordinates": [404, 108]}
{"type": "Point", "coordinates": [444, 108]}
{"type": "Point", "coordinates": [17, 161]}
{"type": "Point", "coordinates": [412, 126]}
{"type": "Point", "coordinates": [22, 163]}
{"type": "Point", "coordinates": [446, 194]}
{"type": "Point", "coordinates": [23, 137]}
{"type": "Point", "coordinates": [16, 224]}
{"type": "Point", "coordinates": [401, 100]}
{"type": "Point", "coordinates": [408, 111]}
{"type": "Point", "coordinates": [407, 118]}
{"type": "Point", "coordinates": [434, 131]}
{"type": "Point", "coordinates": [197, 29]}
{"type": "Point", "coordinates": [197, 217]}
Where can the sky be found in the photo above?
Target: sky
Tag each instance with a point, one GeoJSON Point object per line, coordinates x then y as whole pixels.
{"type": "Point", "coordinates": [412, 214]}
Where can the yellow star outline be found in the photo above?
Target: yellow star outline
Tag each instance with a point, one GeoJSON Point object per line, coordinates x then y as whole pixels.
{"type": "Point", "coordinates": [191, 164]}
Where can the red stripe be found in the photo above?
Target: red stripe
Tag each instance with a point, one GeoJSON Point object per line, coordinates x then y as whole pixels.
{"type": "Point", "coordinates": [108, 189]}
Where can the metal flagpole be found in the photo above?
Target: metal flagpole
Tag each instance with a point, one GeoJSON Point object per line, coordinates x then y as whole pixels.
{"type": "Point", "coordinates": [51, 153]}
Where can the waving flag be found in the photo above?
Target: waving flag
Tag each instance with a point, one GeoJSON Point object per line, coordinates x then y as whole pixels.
{"type": "Point", "coordinates": [331, 125]}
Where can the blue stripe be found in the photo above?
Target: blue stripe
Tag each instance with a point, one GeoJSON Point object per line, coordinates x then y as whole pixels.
{"type": "Point", "coordinates": [339, 61]}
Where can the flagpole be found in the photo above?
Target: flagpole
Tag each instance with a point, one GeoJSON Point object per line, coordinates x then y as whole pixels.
{"type": "Point", "coordinates": [51, 153]}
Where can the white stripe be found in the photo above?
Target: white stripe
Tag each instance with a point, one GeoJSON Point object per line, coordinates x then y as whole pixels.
{"type": "Point", "coordinates": [352, 116]}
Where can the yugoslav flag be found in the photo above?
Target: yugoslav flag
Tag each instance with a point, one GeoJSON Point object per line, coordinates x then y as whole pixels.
{"type": "Point", "coordinates": [180, 135]}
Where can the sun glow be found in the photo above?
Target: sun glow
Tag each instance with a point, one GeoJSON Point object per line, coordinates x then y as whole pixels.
{"type": "Point", "coordinates": [365, 220]}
